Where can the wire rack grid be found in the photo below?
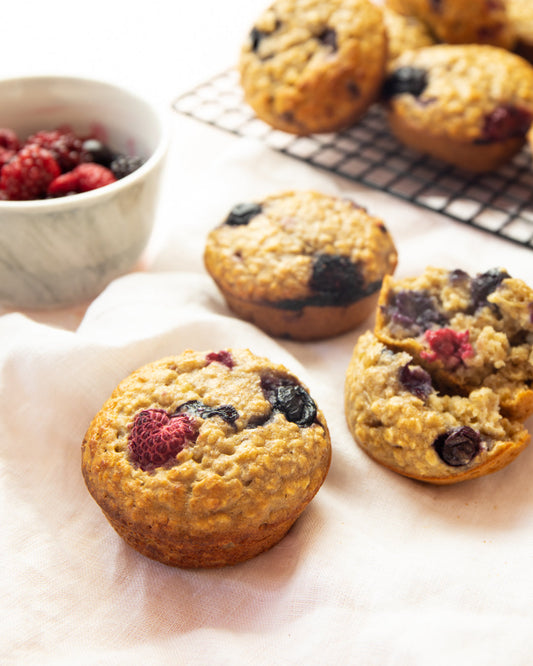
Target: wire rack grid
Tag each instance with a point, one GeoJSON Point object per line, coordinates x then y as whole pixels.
{"type": "Point", "coordinates": [498, 202]}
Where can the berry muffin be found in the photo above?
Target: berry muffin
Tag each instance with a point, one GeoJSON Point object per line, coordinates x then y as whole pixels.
{"type": "Point", "coordinates": [397, 415]}
{"type": "Point", "coordinates": [404, 33]}
{"type": "Point", "coordinates": [300, 264]}
{"type": "Point", "coordinates": [462, 21]}
{"type": "Point", "coordinates": [470, 105]}
{"type": "Point", "coordinates": [206, 459]}
{"type": "Point", "coordinates": [309, 66]}
{"type": "Point", "coordinates": [466, 331]}
{"type": "Point", "coordinates": [521, 19]}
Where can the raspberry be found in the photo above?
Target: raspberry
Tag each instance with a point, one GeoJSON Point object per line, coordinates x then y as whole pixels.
{"type": "Point", "coordinates": [505, 122]}
{"type": "Point", "coordinates": [223, 357]}
{"type": "Point", "coordinates": [29, 173]}
{"type": "Point", "coordinates": [156, 438]}
{"type": "Point", "coordinates": [448, 346]}
{"type": "Point", "coordinates": [83, 178]}
{"type": "Point", "coordinates": [9, 140]}
{"type": "Point", "coordinates": [64, 145]}
{"type": "Point", "coordinates": [6, 155]}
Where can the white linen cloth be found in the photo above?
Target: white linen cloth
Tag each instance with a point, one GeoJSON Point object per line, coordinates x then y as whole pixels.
{"type": "Point", "coordinates": [378, 570]}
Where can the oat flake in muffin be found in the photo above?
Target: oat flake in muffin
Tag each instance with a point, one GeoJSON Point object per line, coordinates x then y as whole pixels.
{"type": "Point", "coordinates": [206, 458]}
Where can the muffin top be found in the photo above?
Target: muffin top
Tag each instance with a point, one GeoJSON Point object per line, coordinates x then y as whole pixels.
{"type": "Point", "coordinates": [311, 66]}
{"type": "Point", "coordinates": [206, 443]}
{"type": "Point", "coordinates": [462, 21]}
{"type": "Point", "coordinates": [300, 248]}
{"type": "Point", "coordinates": [472, 93]}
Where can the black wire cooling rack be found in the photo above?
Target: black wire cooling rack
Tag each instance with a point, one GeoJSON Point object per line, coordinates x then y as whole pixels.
{"type": "Point", "coordinates": [499, 202]}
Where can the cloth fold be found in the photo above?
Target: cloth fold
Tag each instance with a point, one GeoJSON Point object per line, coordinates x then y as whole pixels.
{"type": "Point", "coordinates": [378, 570]}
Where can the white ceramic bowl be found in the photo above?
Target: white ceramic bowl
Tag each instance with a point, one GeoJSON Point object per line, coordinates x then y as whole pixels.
{"type": "Point", "coordinates": [58, 252]}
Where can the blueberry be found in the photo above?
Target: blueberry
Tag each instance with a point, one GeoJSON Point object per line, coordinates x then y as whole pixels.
{"type": "Point", "coordinates": [328, 37]}
{"type": "Point", "coordinates": [416, 380]}
{"type": "Point", "coordinates": [98, 152]}
{"type": "Point", "coordinates": [336, 278]}
{"type": "Point", "coordinates": [196, 407]}
{"type": "Point", "coordinates": [296, 404]}
{"type": "Point", "coordinates": [290, 398]}
{"type": "Point", "coordinates": [458, 276]}
{"type": "Point", "coordinates": [459, 446]}
{"type": "Point", "coordinates": [483, 285]}
{"type": "Point", "coordinates": [242, 213]}
{"type": "Point", "coordinates": [416, 311]}
{"type": "Point", "coordinates": [257, 36]}
{"type": "Point", "coordinates": [412, 80]}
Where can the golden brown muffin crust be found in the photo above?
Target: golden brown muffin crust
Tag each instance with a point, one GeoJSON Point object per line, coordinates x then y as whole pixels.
{"type": "Point", "coordinates": [230, 492]}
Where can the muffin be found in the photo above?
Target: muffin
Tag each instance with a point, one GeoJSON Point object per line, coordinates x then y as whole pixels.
{"type": "Point", "coordinates": [300, 264]}
{"type": "Point", "coordinates": [308, 66]}
{"type": "Point", "coordinates": [467, 331]}
{"type": "Point", "coordinates": [404, 33]}
{"type": "Point", "coordinates": [206, 459]}
{"type": "Point", "coordinates": [398, 416]}
{"type": "Point", "coordinates": [462, 21]}
{"type": "Point", "coordinates": [520, 13]}
{"type": "Point", "coordinates": [470, 105]}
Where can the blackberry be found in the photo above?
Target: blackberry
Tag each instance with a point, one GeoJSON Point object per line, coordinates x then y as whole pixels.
{"type": "Point", "coordinates": [123, 165]}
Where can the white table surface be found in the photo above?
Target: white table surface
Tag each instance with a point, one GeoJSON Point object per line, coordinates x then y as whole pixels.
{"type": "Point", "coordinates": [379, 569]}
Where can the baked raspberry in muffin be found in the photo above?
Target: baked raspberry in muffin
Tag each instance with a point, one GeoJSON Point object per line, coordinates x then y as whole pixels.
{"type": "Point", "coordinates": [206, 459]}
{"type": "Point", "coordinates": [300, 264]}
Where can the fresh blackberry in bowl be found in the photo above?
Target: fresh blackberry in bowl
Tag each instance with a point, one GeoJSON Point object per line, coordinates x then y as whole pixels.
{"type": "Point", "coordinates": [123, 165]}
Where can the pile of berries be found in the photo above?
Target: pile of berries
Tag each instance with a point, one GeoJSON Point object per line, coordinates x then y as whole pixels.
{"type": "Point", "coordinates": [55, 163]}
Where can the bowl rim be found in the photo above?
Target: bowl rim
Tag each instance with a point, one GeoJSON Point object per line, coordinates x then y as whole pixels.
{"type": "Point", "coordinates": [150, 164]}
